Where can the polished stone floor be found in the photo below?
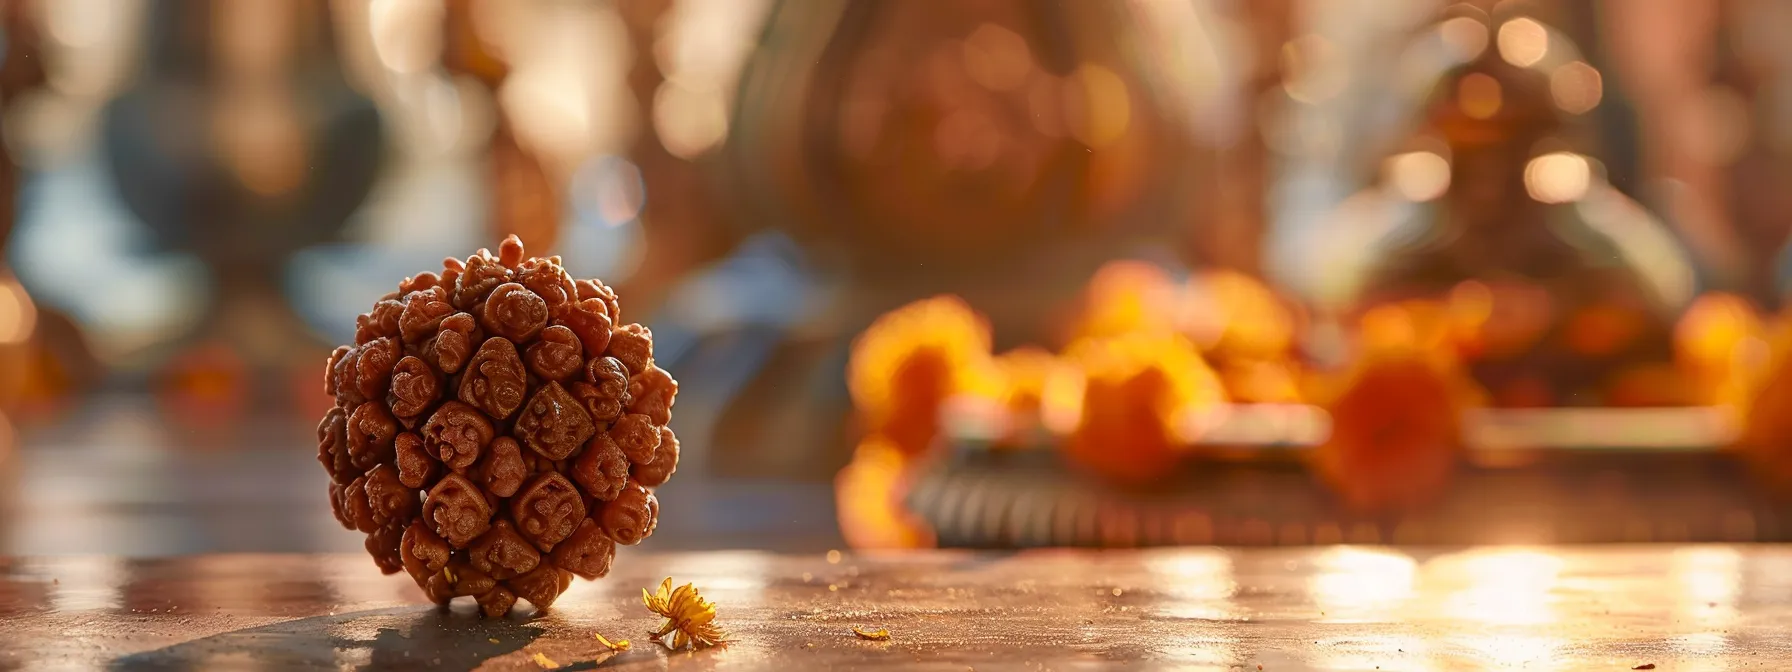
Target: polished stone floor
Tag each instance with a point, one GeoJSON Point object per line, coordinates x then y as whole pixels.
{"type": "Point", "coordinates": [1339, 608]}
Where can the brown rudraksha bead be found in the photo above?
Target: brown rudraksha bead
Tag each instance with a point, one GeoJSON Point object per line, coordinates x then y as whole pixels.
{"type": "Point", "coordinates": [554, 424]}
{"type": "Point", "coordinates": [457, 510]}
{"type": "Point", "coordinates": [587, 552]}
{"type": "Point", "coordinates": [453, 345]}
{"type": "Point", "coordinates": [633, 344]}
{"type": "Point", "coordinates": [601, 470]}
{"type": "Point", "coordinates": [497, 430]}
{"type": "Point", "coordinates": [423, 553]}
{"type": "Point", "coordinates": [547, 509]}
{"type": "Point", "coordinates": [637, 436]}
{"type": "Point", "coordinates": [389, 499]}
{"type": "Point", "coordinates": [548, 280]}
{"type": "Point", "coordinates": [415, 389]}
{"type": "Point", "coordinates": [514, 313]}
{"type": "Point", "coordinates": [631, 517]}
{"type": "Point", "coordinates": [495, 381]}
{"type": "Point", "coordinates": [665, 461]}
{"type": "Point", "coordinates": [651, 394]}
{"type": "Point", "coordinates": [496, 602]}
{"type": "Point", "coordinates": [424, 311]}
{"type": "Point", "coordinates": [502, 470]}
{"type": "Point", "coordinates": [587, 319]}
{"type": "Point", "coordinates": [416, 466]}
{"type": "Point", "coordinates": [370, 433]}
{"type": "Point", "coordinates": [456, 434]}
{"type": "Point", "coordinates": [542, 586]}
{"type": "Point", "coordinates": [556, 355]}
{"type": "Point", "coordinates": [332, 445]}
{"type": "Point", "coordinates": [383, 545]}
{"type": "Point", "coordinates": [503, 553]}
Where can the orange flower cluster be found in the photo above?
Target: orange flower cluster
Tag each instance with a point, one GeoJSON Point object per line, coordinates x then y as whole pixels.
{"type": "Point", "coordinates": [1242, 328]}
{"type": "Point", "coordinates": [1397, 413]}
{"type": "Point", "coordinates": [905, 366]}
{"type": "Point", "coordinates": [1126, 397]}
{"type": "Point", "coordinates": [1131, 398]}
{"type": "Point", "coordinates": [1743, 360]}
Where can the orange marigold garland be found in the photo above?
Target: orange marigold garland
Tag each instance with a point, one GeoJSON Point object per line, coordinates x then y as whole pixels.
{"type": "Point", "coordinates": [1131, 397]}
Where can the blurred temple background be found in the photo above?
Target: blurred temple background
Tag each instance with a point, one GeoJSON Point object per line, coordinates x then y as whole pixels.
{"type": "Point", "coordinates": [198, 197]}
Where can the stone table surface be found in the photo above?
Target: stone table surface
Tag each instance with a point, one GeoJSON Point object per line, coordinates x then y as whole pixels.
{"type": "Point", "coordinates": [1322, 608]}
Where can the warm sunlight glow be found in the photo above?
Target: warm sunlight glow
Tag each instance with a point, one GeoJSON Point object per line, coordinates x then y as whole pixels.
{"type": "Point", "coordinates": [1558, 177]}
{"type": "Point", "coordinates": [1523, 42]}
{"type": "Point", "coordinates": [1419, 176]}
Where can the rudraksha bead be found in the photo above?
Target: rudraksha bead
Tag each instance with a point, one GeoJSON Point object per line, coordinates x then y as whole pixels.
{"type": "Point", "coordinates": [497, 430]}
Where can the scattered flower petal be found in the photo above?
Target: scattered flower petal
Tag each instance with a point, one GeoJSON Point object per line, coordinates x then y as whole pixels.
{"type": "Point", "coordinates": [878, 635]}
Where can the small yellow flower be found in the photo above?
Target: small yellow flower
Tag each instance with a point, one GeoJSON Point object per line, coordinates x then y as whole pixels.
{"type": "Point", "coordinates": [618, 645]}
{"type": "Point", "coordinates": [689, 617]}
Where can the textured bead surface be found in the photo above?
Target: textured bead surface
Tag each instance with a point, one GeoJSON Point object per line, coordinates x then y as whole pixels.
{"type": "Point", "coordinates": [497, 430]}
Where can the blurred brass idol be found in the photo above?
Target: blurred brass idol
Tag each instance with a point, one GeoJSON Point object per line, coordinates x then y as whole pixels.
{"type": "Point", "coordinates": [1524, 293]}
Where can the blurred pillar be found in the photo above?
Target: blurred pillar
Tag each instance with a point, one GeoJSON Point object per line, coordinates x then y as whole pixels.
{"type": "Point", "coordinates": [686, 222]}
{"type": "Point", "coordinates": [1665, 56]}
{"type": "Point", "coordinates": [526, 199]}
{"type": "Point", "coordinates": [1234, 238]}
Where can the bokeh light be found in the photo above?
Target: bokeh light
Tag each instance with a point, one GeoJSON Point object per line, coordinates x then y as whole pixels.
{"type": "Point", "coordinates": [997, 58]}
{"type": "Point", "coordinates": [18, 317]}
{"type": "Point", "coordinates": [1419, 176]}
{"type": "Point", "coordinates": [1576, 87]}
{"type": "Point", "coordinates": [1465, 36]}
{"type": "Point", "coordinates": [1099, 105]}
{"type": "Point", "coordinates": [1479, 95]}
{"type": "Point", "coordinates": [1523, 42]}
{"type": "Point", "coordinates": [1558, 177]}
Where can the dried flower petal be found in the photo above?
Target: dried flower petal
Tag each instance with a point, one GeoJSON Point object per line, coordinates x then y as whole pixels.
{"type": "Point", "coordinates": [618, 645]}
{"type": "Point", "coordinates": [878, 635]}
